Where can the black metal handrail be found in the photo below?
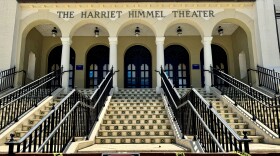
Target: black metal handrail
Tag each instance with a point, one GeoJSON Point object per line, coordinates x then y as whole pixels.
{"type": "Point", "coordinates": [189, 122]}
{"type": "Point", "coordinates": [74, 124]}
{"type": "Point", "coordinates": [39, 133]}
{"type": "Point", "coordinates": [226, 136]}
{"type": "Point", "coordinates": [7, 78]}
{"type": "Point", "coordinates": [19, 106]}
{"type": "Point", "coordinates": [261, 106]}
{"type": "Point", "coordinates": [202, 131]}
{"type": "Point", "coordinates": [268, 78]}
{"type": "Point", "coordinates": [25, 89]}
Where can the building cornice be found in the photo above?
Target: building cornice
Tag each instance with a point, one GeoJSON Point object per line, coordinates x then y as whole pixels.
{"type": "Point", "coordinates": [151, 5]}
{"type": "Point", "coordinates": [130, 1]}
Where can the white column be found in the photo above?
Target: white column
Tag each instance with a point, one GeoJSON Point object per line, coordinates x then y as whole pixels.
{"type": "Point", "coordinates": [65, 61]}
{"type": "Point", "coordinates": [266, 34]}
{"type": "Point", "coordinates": [207, 61]}
{"type": "Point", "coordinates": [113, 41]}
{"type": "Point", "coordinates": [10, 12]}
{"type": "Point", "coordinates": [160, 60]}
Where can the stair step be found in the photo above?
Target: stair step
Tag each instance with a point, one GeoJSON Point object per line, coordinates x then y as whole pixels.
{"type": "Point", "coordinates": [138, 116]}
{"type": "Point", "coordinates": [136, 100]}
{"type": "Point", "coordinates": [238, 125]}
{"type": "Point", "coordinates": [255, 139]}
{"type": "Point", "coordinates": [134, 127]}
{"type": "Point", "coordinates": [136, 104]}
{"type": "Point", "coordinates": [224, 110]}
{"type": "Point", "coordinates": [135, 139]}
{"type": "Point", "coordinates": [249, 131]}
{"type": "Point", "coordinates": [228, 115]}
{"type": "Point", "coordinates": [114, 133]}
{"type": "Point", "coordinates": [134, 112]}
{"type": "Point", "coordinates": [139, 121]}
{"type": "Point", "coordinates": [136, 108]}
{"type": "Point", "coordinates": [137, 95]}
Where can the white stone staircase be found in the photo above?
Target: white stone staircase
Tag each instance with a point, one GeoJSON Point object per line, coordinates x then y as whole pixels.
{"type": "Point", "coordinates": [234, 119]}
{"type": "Point", "coordinates": [135, 116]}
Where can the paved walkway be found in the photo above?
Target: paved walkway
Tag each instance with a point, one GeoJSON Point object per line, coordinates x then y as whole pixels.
{"type": "Point", "coordinates": [264, 148]}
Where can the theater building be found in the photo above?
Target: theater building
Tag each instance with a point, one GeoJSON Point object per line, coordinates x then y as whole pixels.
{"type": "Point", "coordinates": [181, 36]}
{"type": "Point", "coordinates": [138, 38]}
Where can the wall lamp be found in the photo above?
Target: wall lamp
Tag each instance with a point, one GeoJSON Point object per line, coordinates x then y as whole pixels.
{"type": "Point", "coordinates": [179, 31]}
{"type": "Point", "coordinates": [54, 32]}
{"type": "Point", "coordinates": [96, 32]}
{"type": "Point", "coordinates": [137, 31]}
{"type": "Point", "coordinates": [220, 31]}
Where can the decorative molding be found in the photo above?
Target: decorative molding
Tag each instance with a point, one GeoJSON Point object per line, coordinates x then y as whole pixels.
{"type": "Point", "coordinates": [151, 5]}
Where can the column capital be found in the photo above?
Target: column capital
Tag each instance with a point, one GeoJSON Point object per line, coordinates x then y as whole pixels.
{"type": "Point", "coordinates": [66, 40]}
{"type": "Point", "coordinates": [207, 40]}
{"type": "Point", "coordinates": [160, 39]}
{"type": "Point", "coordinates": [113, 40]}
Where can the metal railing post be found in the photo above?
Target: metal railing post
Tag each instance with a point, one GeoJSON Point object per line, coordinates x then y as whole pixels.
{"type": "Point", "coordinates": [275, 82]}
{"type": "Point", "coordinates": [246, 142]}
{"type": "Point", "coordinates": [11, 145]}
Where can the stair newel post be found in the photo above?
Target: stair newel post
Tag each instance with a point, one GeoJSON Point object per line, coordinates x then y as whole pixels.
{"type": "Point", "coordinates": [11, 145]}
{"type": "Point", "coordinates": [246, 143]}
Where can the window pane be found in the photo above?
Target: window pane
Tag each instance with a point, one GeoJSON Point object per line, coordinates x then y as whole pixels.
{"type": "Point", "coordinates": [133, 74]}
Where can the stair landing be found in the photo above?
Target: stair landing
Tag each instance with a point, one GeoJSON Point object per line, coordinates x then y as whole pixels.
{"type": "Point", "coordinates": [100, 148]}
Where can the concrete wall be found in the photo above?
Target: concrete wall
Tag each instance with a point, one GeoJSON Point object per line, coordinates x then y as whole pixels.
{"type": "Point", "coordinates": [9, 18]}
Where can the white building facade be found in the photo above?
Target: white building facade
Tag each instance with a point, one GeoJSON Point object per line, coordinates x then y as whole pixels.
{"type": "Point", "coordinates": [137, 38]}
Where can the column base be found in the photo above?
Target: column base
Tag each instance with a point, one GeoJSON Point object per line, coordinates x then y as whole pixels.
{"type": "Point", "coordinates": [66, 90]}
{"type": "Point", "coordinates": [158, 90]}
{"type": "Point", "coordinates": [116, 89]}
{"type": "Point", "coordinates": [207, 89]}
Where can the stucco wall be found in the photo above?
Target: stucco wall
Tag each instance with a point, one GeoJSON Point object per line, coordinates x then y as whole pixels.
{"type": "Point", "coordinates": [240, 44]}
{"type": "Point", "coordinates": [34, 42]}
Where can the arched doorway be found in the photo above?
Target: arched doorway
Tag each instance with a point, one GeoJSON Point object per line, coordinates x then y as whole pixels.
{"type": "Point", "coordinates": [176, 65]}
{"type": "Point", "coordinates": [97, 65]}
{"type": "Point", "coordinates": [138, 64]}
{"type": "Point", "coordinates": [54, 63]}
{"type": "Point", "coordinates": [219, 58]}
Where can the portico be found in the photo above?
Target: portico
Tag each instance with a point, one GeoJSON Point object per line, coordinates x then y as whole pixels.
{"type": "Point", "coordinates": [158, 26]}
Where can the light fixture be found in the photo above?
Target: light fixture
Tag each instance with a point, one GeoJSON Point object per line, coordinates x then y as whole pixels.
{"type": "Point", "coordinates": [220, 31]}
{"type": "Point", "coordinates": [179, 31]}
{"type": "Point", "coordinates": [54, 32]}
{"type": "Point", "coordinates": [137, 31]}
{"type": "Point", "coordinates": [96, 32]}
